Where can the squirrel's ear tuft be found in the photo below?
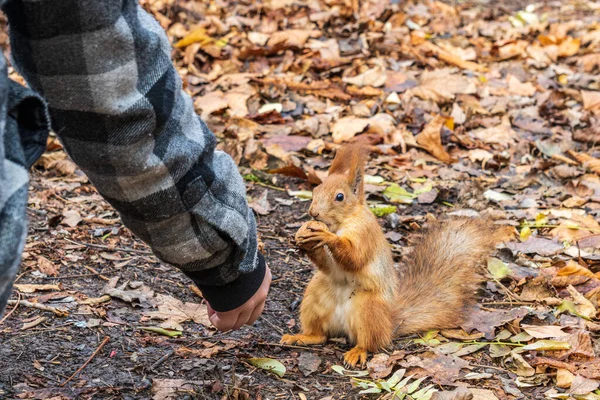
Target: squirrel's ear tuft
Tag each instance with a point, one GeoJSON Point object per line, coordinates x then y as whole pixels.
{"type": "Point", "coordinates": [351, 160]}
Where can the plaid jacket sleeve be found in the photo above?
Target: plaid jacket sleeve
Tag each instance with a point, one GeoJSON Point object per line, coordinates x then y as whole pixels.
{"type": "Point", "coordinates": [116, 102]}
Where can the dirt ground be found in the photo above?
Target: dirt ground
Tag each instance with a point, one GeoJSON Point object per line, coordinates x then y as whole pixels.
{"type": "Point", "coordinates": [79, 247]}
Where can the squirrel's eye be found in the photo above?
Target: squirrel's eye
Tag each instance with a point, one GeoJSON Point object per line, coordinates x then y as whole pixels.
{"type": "Point", "coordinates": [339, 197]}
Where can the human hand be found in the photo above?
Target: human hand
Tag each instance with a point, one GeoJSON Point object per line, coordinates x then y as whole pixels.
{"type": "Point", "coordinates": [245, 314]}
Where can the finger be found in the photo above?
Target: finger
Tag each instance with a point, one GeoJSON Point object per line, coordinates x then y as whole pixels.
{"type": "Point", "coordinates": [209, 310]}
{"type": "Point", "coordinates": [242, 319]}
{"type": "Point", "coordinates": [222, 323]}
{"type": "Point", "coordinates": [256, 313]}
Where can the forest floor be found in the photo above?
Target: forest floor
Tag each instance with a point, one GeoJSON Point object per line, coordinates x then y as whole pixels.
{"type": "Point", "coordinates": [473, 107]}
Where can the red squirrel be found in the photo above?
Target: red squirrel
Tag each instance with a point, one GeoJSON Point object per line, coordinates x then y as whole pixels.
{"type": "Point", "coordinates": [357, 292]}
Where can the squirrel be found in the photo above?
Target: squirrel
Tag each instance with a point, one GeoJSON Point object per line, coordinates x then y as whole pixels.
{"type": "Point", "coordinates": [357, 292]}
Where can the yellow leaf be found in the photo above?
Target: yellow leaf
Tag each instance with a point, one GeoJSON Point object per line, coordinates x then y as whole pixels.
{"type": "Point", "coordinates": [196, 36]}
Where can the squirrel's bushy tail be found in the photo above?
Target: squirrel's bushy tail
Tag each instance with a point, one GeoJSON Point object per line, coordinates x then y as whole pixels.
{"type": "Point", "coordinates": [439, 279]}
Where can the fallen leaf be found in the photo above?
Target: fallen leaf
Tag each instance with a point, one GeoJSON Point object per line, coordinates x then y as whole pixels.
{"type": "Point", "coordinates": [291, 38]}
{"type": "Point", "coordinates": [261, 204]}
{"type": "Point", "coordinates": [268, 364]}
{"type": "Point", "coordinates": [541, 345]}
{"type": "Point", "coordinates": [441, 85]}
{"type": "Point", "coordinates": [581, 385]}
{"type": "Point", "coordinates": [543, 331]}
{"type": "Point", "coordinates": [174, 312]}
{"type": "Point", "coordinates": [47, 267]}
{"type": "Point", "coordinates": [162, 331]}
{"type": "Point", "coordinates": [502, 134]}
{"type": "Point", "coordinates": [583, 306]}
{"type": "Point", "coordinates": [379, 366]}
{"type": "Point", "coordinates": [443, 369]}
{"type": "Point", "coordinates": [591, 100]}
{"type": "Point", "coordinates": [130, 292]}
{"type": "Point", "coordinates": [564, 378]}
{"type": "Point", "coordinates": [593, 164]}
{"type": "Point", "coordinates": [31, 288]}
{"type": "Point", "coordinates": [523, 368]}
{"type": "Point", "coordinates": [346, 128]}
{"type": "Point", "coordinates": [537, 245]}
{"type": "Point", "coordinates": [486, 321]}
{"type": "Point", "coordinates": [430, 139]}
{"type": "Point", "coordinates": [498, 268]}
{"type": "Point", "coordinates": [308, 363]}
{"type": "Point", "coordinates": [374, 77]}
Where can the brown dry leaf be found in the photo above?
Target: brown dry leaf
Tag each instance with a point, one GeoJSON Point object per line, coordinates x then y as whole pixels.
{"type": "Point", "coordinates": [47, 267]}
{"type": "Point", "coordinates": [512, 50]}
{"type": "Point", "coordinates": [441, 86]}
{"type": "Point", "coordinates": [581, 385]}
{"type": "Point", "coordinates": [175, 312]}
{"type": "Point", "coordinates": [31, 288]}
{"type": "Point", "coordinates": [308, 363]}
{"type": "Point", "coordinates": [452, 58]}
{"type": "Point", "coordinates": [171, 389]}
{"type": "Point", "coordinates": [543, 331]}
{"type": "Point", "coordinates": [292, 38]}
{"type": "Point", "coordinates": [569, 47]}
{"type": "Point", "coordinates": [71, 218]}
{"type": "Point", "coordinates": [584, 306]}
{"type": "Point", "coordinates": [591, 163]}
{"type": "Point", "coordinates": [131, 292]}
{"type": "Point", "coordinates": [460, 334]}
{"type": "Point", "coordinates": [535, 290]}
{"type": "Point", "coordinates": [261, 204]}
{"type": "Point", "coordinates": [487, 321]}
{"type": "Point", "coordinates": [459, 393]}
{"type": "Point", "coordinates": [566, 232]}
{"type": "Point", "coordinates": [443, 369]}
{"type": "Point", "coordinates": [564, 378]}
{"type": "Point", "coordinates": [346, 128]}
{"type": "Point", "coordinates": [374, 77]}
{"type": "Point", "coordinates": [210, 103]}
{"type": "Point", "coordinates": [292, 143]}
{"type": "Point", "coordinates": [502, 134]}
{"type": "Point", "coordinates": [515, 86]}
{"type": "Point", "coordinates": [523, 367]}
{"type": "Point", "coordinates": [591, 101]}
{"type": "Point", "coordinates": [430, 139]}
{"type": "Point", "coordinates": [537, 245]}
{"type": "Point", "coordinates": [379, 366]}
{"type": "Point", "coordinates": [589, 62]}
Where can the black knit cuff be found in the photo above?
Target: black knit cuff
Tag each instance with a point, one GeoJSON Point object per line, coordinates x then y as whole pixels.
{"type": "Point", "coordinates": [234, 294]}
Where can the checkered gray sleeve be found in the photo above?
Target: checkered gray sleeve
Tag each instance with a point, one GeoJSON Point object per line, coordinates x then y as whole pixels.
{"type": "Point", "coordinates": [116, 103]}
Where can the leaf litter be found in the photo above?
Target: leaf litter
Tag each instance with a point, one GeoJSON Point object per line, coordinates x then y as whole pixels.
{"type": "Point", "coordinates": [468, 109]}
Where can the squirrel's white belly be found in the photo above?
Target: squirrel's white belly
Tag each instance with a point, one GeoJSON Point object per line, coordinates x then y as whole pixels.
{"type": "Point", "coordinates": [341, 296]}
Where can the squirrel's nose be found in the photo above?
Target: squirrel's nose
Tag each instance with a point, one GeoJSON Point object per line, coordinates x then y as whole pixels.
{"type": "Point", "coordinates": [313, 213]}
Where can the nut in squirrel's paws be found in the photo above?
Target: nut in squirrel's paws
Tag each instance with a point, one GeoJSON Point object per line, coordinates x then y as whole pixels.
{"type": "Point", "coordinates": [355, 356]}
{"type": "Point", "coordinates": [312, 235]}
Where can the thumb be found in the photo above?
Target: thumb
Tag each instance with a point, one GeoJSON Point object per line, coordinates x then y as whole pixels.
{"type": "Point", "coordinates": [209, 310]}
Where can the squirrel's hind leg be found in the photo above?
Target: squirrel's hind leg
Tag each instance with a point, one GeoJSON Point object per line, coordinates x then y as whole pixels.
{"type": "Point", "coordinates": [372, 327]}
{"type": "Point", "coordinates": [314, 315]}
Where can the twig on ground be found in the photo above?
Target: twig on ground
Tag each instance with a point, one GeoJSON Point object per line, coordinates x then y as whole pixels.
{"type": "Point", "coordinates": [96, 273]}
{"type": "Point", "coordinates": [162, 359]}
{"type": "Point", "coordinates": [13, 310]}
{"type": "Point", "coordinates": [106, 339]}
{"type": "Point", "coordinates": [272, 325]}
{"type": "Point", "coordinates": [105, 247]}
{"type": "Point", "coordinates": [39, 306]}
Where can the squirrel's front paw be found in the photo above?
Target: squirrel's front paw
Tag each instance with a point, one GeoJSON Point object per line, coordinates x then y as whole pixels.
{"type": "Point", "coordinates": [313, 235]}
{"type": "Point", "coordinates": [355, 356]}
{"type": "Point", "coordinates": [303, 339]}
